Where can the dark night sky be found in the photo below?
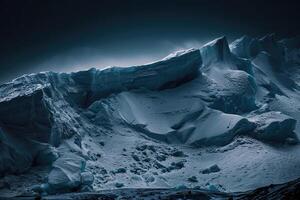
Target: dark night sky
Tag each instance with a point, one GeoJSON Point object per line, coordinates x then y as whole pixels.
{"type": "Point", "coordinates": [71, 35]}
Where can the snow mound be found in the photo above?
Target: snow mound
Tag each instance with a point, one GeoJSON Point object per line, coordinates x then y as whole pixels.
{"type": "Point", "coordinates": [178, 120]}
{"type": "Point", "coordinates": [237, 91]}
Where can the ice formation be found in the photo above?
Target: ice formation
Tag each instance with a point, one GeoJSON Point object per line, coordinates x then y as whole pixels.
{"type": "Point", "coordinates": [203, 97]}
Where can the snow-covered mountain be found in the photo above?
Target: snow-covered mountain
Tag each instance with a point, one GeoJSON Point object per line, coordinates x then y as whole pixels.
{"type": "Point", "coordinates": [222, 117]}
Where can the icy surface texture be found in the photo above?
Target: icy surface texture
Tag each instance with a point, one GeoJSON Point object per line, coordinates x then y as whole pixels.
{"type": "Point", "coordinates": [44, 108]}
{"type": "Point", "coordinates": [117, 127]}
{"type": "Point", "coordinates": [179, 120]}
{"type": "Point", "coordinates": [232, 78]}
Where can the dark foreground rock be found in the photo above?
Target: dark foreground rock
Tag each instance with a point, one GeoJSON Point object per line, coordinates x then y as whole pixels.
{"type": "Point", "coordinates": [290, 190]}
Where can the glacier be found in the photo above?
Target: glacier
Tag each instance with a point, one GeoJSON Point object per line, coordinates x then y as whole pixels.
{"type": "Point", "coordinates": [217, 100]}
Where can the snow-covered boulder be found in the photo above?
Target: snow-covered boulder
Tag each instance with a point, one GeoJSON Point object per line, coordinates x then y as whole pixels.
{"type": "Point", "coordinates": [68, 174]}
{"type": "Point", "coordinates": [216, 128]}
{"type": "Point", "coordinates": [212, 169]}
{"type": "Point", "coordinates": [273, 127]}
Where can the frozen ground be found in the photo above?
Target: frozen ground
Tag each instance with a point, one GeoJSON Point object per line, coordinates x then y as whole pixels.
{"type": "Point", "coordinates": [289, 190]}
{"type": "Point", "coordinates": [223, 118]}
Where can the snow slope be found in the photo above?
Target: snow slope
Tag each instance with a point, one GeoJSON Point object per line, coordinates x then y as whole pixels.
{"type": "Point", "coordinates": [222, 117]}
